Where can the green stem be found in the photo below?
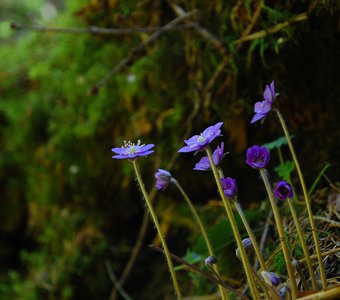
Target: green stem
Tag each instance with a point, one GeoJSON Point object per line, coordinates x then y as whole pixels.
{"type": "Point", "coordinates": [280, 231]}
{"type": "Point", "coordinates": [203, 230]}
{"type": "Point", "coordinates": [307, 200]}
{"type": "Point", "coordinates": [155, 220]}
{"type": "Point", "coordinates": [251, 235]}
{"type": "Point", "coordinates": [303, 243]}
{"type": "Point", "coordinates": [234, 228]}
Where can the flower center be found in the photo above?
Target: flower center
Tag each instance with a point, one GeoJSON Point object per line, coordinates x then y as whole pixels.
{"type": "Point", "coordinates": [132, 148]}
{"type": "Point", "coordinates": [201, 138]}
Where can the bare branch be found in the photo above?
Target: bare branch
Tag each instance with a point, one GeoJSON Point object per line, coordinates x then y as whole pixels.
{"type": "Point", "coordinates": [262, 33]}
{"type": "Point", "coordinates": [97, 30]}
{"type": "Point", "coordinates": [140, 50]}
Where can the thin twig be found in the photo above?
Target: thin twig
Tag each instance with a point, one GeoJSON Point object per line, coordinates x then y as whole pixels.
{"type": "Point", "coordinates": [326, 253]}
{"type": "Point", "coordinates": [97, 30]}
{"type": "Point", "coordinates": [219, 45]}
{"type": "Point", "coordinates": [140, 49]}
{"type": "Point", "coordinates": [262, 33]}
{"type": "Point", "coordinates": [197, 270]}
{"type": "Point", "coordinates": [264, 236]}
{"type": "Point", "coordinates": [115, 282]}
{"type": "Point", "coordinates": [254, 19]}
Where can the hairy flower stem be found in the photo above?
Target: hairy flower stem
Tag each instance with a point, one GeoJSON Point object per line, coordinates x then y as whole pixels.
{"type": "Point", "coordinates": [280, 231]}
{"type": "Point", "coordinates": [307, 200]}
{"type": "Point", "coordinates": [227, 205]}
{"type": "Point", "coordinates": [155, 220]}
{"type": "Point", "coordinates": [303, 243]}
{"type": "Point", "coordinates": [258, 253]}
{"type": "Point", "coordinates": [224, 294]}
{"type": "Point", "coordinates": [251, 235]}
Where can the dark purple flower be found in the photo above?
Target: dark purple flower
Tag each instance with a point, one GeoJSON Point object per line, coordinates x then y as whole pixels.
{"type": "Point", "coordinates": [204, 163]}
{"type": "Point", "coordinates": [257, 157]}
{"type": "Point", "coordinates": [229, 187]}
{"type": "Point", "coordinates": [200, 142]}
{"type": "Point", "coordinates": [163, 179]}
{"type": "Point", "coordinates": [132, 151]}
{"type": "Point", "coordinates": [271, 278]}
{"type": "Point", "coordinates": [283, 190]}
{"type": "Point", "coordinates": [262, 108]}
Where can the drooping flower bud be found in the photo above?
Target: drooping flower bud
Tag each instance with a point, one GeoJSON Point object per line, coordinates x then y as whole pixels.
{"type": "Point", "coordinates": [163, 179]}
{"type": "Point", "coordinates": [271, 278]}
{"type": "Point", "coordinates": [247, 245]}
{"type": "Point", "coordinates": [229, 187]}
{"type": "Point", "coordinates": [210, 260]}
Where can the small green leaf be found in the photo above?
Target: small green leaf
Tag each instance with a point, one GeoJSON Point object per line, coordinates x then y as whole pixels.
{"type": "Point", "coordinates": [284, 170]}
{"type": "Point", "coordinates": [277, 143]}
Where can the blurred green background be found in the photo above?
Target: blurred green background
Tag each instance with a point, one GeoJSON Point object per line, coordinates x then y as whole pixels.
{"type": "Point", "coordinates": [67, 207]}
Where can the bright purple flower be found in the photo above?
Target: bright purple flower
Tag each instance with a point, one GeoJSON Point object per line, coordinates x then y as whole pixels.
{"type": "Point", "coordinates": [200, 142]}
{"type": "Point", "coordinates": [163, 179]}
{"type": "Point", "coordinates": [229, 187]}
{"type": "Point", "coordinates": [271, 278]}
{"type": "Point", "coordinates": [283, 190]}
{"type": "Point", "coordinates": [262, 108]}
{"type": "Point", "coordinates": [257, 157]}
{"type": "Point", "coordinates": [132, 151]}
{"type": "Point", "coordinates": [204, 163]}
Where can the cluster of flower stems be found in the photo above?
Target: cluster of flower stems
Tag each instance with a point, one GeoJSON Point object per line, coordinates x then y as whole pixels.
{"type": "Point", "coordinates": [260, 286]}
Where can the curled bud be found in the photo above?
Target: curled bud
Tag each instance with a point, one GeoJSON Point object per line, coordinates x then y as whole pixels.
{"type": "Point", "coordinates": [271, 278]}
{"type": "Point", "coordinates": [210, 260]}
{"type": "Point", "coordinates": [247, 245]}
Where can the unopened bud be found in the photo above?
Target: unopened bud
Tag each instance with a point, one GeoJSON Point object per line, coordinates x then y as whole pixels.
{"type": "Point", "coordinates": [210, 260]}
{"type": "Point", "coordinates": [247, 245]}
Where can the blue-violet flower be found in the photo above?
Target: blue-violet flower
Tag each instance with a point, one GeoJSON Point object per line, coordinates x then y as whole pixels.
{"type": "Point", "coordinates": [204, 163]}
{"type": "Point", "coordinates": [257, 157]}
{"type": "Point", "coordinates": [163, 179]}
{"type": "Point", "coordinates": [131, 151]}
{"type": "Point", "coordinates": [229, 187]}
{"type": "Point", "coordinates": [271, 278]}
{"type": "Point", "coordinates": [200, 142]}
{"type": "Point", "coordinates": [283, 190]}
{"type": "Point", "coordinates": [262, 108]}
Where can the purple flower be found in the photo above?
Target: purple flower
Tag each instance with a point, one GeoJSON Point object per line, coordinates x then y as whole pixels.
{"type": "Point", "coordinates": [132, 151]}
{"type": "Point", "coordinates": [271, 278]}
{"type": "Point", "coordinates": [262, 108]}
{"type": "Point", "coordinates": [200, 142]}
{"type": "Point", "coordinates": [257, 157]}
{"type": "Point", "coordinates": [204, 163]}
{"type": "Point", "coordinates": [229, 187]}
{"type": "Point", "coordinates": [163, 179]}
{"type": "Point", "coordinates": [283, 190]}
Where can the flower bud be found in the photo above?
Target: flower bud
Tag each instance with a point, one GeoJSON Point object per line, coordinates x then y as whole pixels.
{"type": "Point", "coordinates": [247, 245]}
{"type": "Point", "coordinates": [271, 278]}
{"type": "Point", "coordinates": [210, 260]}
{"type": "Point", "coordinates": [163, 179]}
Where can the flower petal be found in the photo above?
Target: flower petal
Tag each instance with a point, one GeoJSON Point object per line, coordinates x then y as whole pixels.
{"type": "Point", "coordinates": [257, 117]}
{"type": "Point", "coordinates": [267, 95]}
